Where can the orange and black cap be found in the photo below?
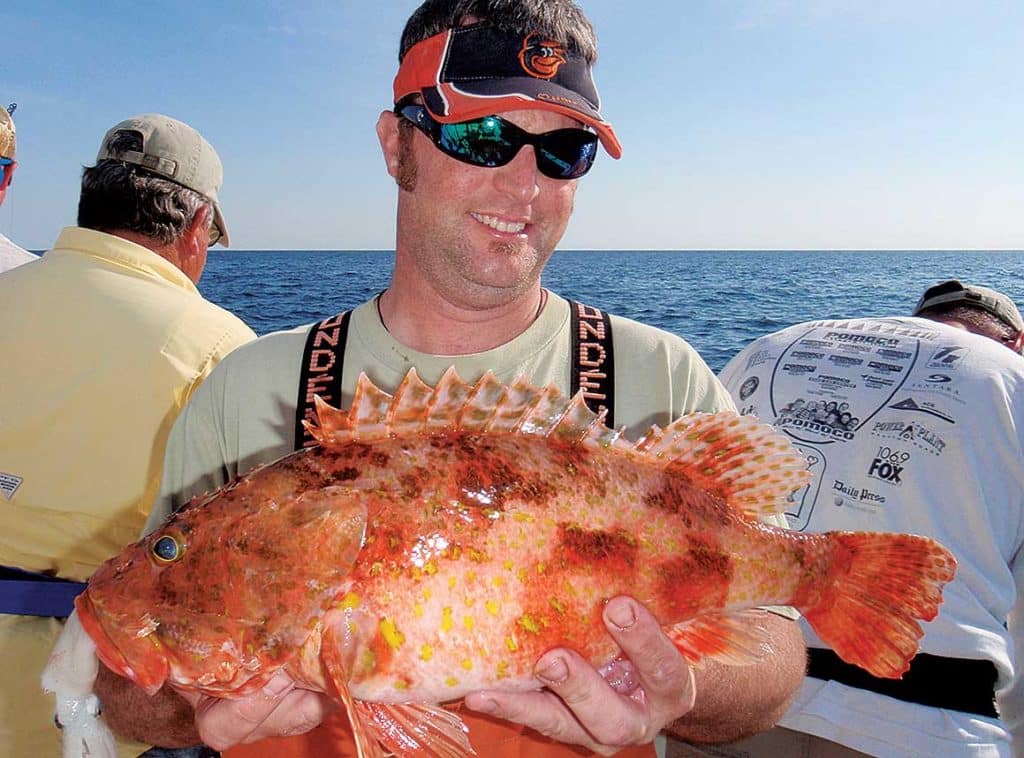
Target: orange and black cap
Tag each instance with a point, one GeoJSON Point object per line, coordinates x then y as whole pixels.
{"type": "Point", "coordinates": [480, 70]}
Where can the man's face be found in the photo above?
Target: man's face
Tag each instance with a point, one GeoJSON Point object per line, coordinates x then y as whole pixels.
{"type": "Point", "coordinates": [479, 236]}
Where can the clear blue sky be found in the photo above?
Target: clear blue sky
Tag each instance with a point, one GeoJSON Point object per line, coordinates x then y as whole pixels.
{"type": "Point", "coordinates": [839, 124]}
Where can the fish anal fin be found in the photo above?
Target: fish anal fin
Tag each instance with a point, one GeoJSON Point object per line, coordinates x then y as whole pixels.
{"type": "Point", "coordinates": [417, 729]}
{"type": "Point", "coordinates": [332, 655]}
{"type": "Point", "coordinates": [748, 464]}
{"type": "Point", "coordinates": [735, 639]}
{"type": "Point", "coordinates": [868, 613]}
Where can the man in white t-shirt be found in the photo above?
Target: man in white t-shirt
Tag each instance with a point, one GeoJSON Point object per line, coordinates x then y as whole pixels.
{"type": "Point", "coordinates": [909, 425]}
{"type": "Point", "coordinates": [11, 255]}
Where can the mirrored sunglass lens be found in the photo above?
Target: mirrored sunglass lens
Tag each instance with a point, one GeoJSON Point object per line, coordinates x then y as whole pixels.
{"type": "Point", "coordinates": [568, 154]}
{"type": "Point", "coordinates": [483, 142]}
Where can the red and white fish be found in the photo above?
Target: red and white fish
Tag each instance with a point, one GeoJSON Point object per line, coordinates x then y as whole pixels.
{"type": "Point", "coordinates": [441, 540]}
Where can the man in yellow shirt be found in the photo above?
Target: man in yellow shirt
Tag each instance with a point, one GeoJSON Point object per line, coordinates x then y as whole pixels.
{"type": "Point", "coordinates": [103, 339]}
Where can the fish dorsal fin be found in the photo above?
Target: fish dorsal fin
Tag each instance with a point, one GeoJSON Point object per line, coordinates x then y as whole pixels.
{"type": "Point", "coordinates": [410, 404]}
{"type": "Point", "coordinates": [746, 463]}
{"type": "Point", "coordinates": [518, 401]}
{"type": "Point", "coordinates": [485, 396]}
{"type": "Point", "coordinates": [447, 400]}
{"type": "Point", "coordinates": [367, 419]}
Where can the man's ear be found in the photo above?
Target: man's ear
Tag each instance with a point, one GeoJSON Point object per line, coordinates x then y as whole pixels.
{"type": "Point", "coordinates": [1017, 345]}
{"type": "Point", "coordinates": [387, 133]}
{"type": "Point", "coordinates": [197, 233]}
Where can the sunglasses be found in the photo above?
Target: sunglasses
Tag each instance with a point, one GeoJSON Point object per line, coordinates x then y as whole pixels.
{"type": "Point", "coordinates": [7, 166]}
{"type": "Point", "coordinates": [492, 141]}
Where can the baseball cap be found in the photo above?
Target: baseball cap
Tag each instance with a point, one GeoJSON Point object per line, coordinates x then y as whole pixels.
{"type": "Point", "coordinates": [173, 150]}
{"type": "Point", "coordinates": [7, 141]}
{"type": "Point", "coordinates": [479, 70]}
{"type": "Point", "coordinates": [953, 292]}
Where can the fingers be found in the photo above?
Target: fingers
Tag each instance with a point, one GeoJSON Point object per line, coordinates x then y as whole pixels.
{"type": "Point", "coordinates": [278, 710]}
{"type": "Point", "coordinates": [542, 711]}
{"type": "Point", "coordinates": [662, 673]}
{"type": "Point", "coordinates": [626, 702]}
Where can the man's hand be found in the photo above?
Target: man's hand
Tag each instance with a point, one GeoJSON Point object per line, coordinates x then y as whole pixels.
{"type": "Point", "coordinates": [626, 705]}
{"type": "Point", "coordinates": [280, 709]}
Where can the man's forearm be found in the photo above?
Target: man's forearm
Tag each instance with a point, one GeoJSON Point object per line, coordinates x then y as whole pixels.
{"type": "Point", "coordinates": [164, 720]}
{"type": "Point", "coordinates": [736, 701]}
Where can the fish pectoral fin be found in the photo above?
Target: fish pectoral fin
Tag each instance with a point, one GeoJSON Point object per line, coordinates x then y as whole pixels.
{"type": "Point", "coordinates": [735, 639]}
{"type": "Point", "coordinates": [331, 653]}
{"type": "Point", "coordinates": [417, 729]}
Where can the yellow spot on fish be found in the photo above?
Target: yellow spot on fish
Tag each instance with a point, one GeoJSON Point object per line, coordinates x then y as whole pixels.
{"type": "Point", "coordinates": [510, 643]}
{"type": "Point", "coordinates": [498, 582]}
{"type": "Point", "coordinates": [558, 605]}
{"type": "Point", "coordinates": [417, 610]}
{"type": "Point", "coordinates": [451, 582]}
{"type": "Point", "coordinates": [455, 553]}
{"type": "Point", "coordinates": [369, 660]}
{"type": "Point", "coordinates": [451, 681]}
{"type": "Point", "coordinates": [376, 568]}
{"type": "Point", "coordinates": [351, 600]}
{"type": "Point", "coordinates": [470, 576]}
{"type": "Point", "coordinates": [529, 623]}
{"type": "Point", "coordinates": [401, 684]}
{"type": "Point", "coordinates": [430, 569]}
{"type": "Point", "coordinates": [426, 652]}
{"type": "Point", "coordinates": [426, 593]}
{"type": "Point", "coordinates": [469, 599]}
{"type": "Point", "coordinates": [492, 607]}
{"type": "Point", "coordinates": [508, 565]}
{"type": "Point", "coordinates": [467, 664]}
{"type": "Point", "coordinates": [521, 575]}
{"type": "Point", "coordinates": [520, 516]}
{"type": "Point", "coordinates": [446, 619]}
{"type": "Point", "coordinates": [502, 669]}
{"type": "Point", "coordinates": [541, 567]}
{"type": "Point", "coordinates": [390, 633]}
{"type": "Point", "coordinates": [468, 622]}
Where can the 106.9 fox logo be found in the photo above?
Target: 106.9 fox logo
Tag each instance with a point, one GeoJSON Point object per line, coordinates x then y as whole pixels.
{"type": "Point", "coordinates": [888, 465]}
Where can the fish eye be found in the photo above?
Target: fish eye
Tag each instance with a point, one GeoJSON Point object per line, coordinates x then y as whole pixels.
{"type": "Point", "coordinates": [166, 549]}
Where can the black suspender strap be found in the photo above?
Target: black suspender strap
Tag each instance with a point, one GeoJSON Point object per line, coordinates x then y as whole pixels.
{"type": "Point", "coordinates": [26, 593]}
{"type": "Point", "coordinates": [956, 684]}
{"type": "Point", "coordinates": [592, 365]}
{"type": "Point", "coordinates": [592, 359]}
{"type": "Point", "coordinates": [322, 362]}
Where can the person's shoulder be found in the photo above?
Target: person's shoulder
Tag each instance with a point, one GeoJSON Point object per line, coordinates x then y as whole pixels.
{"type": "Point", "coordinates": [271, 347]}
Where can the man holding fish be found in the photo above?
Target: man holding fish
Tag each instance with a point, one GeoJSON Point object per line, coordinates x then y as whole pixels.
{"type": "Point", "coordinates": [495, 122]}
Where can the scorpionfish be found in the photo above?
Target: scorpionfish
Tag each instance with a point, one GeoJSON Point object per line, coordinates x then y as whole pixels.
{"type": "Point", "coordinates": [440, 540]}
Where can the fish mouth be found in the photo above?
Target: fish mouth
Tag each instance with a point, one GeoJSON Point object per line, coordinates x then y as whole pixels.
{"type": "Point", "coordinates": [108, 651]}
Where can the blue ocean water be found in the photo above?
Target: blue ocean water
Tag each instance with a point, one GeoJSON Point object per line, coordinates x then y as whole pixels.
{"type": "Point", "coordinates": [718, 301]}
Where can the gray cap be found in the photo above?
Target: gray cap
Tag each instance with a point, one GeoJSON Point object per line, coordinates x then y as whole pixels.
{"type": "Point", "coordinates": [953, 292]}
{"type": "Point", "coordinates": [174, 150]}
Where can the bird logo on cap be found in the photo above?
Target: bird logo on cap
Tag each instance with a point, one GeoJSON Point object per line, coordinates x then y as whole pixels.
{"type": "Point", "coordinates": [541, 58]}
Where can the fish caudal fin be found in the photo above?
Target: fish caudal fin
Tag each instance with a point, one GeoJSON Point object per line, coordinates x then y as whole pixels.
{"type": "Point", "coordinates": [881, 585]}
{"type": "Point", "coordinates": [417, 729]}
{"type": "Point", "coordinates": [735, 639]}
